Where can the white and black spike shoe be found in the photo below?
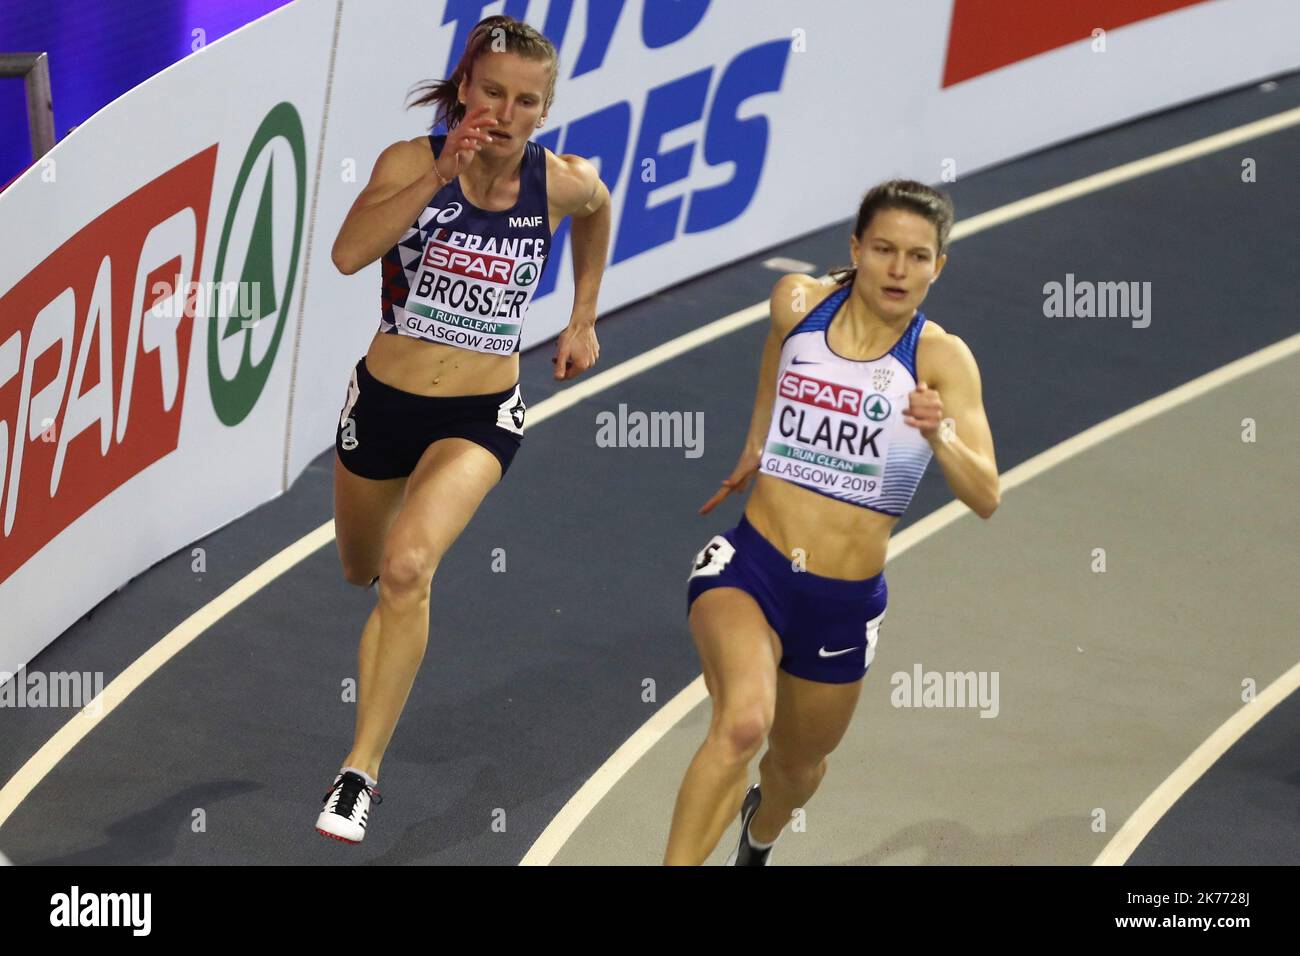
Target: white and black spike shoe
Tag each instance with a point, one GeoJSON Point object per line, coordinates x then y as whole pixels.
{"type": "Point", "coordinates": [347, 808]}
{"type": "Point", "coordinates": [744, 854]}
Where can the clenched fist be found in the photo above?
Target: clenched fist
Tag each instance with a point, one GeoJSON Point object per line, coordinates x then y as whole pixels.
{"type": "Point", "coordinates": [924, 411]}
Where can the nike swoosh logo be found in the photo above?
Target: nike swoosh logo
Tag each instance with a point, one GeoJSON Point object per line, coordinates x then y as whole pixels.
{"type": "Point", "coordinates": [848, 650]}
{"type": "Point", "coordinates": [797, 361]}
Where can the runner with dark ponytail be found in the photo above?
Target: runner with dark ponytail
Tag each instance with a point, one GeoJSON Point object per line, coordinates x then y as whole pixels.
{"type": "Point", "coordinates": [857, 391]}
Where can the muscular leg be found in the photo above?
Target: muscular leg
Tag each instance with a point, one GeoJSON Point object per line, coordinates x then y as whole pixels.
{"type": "Point", "coordinates": [364, 511]}
{"type": "Point", "coordinates": [739, 653]}
{"type": "Point", "coordinates": [811, 719]}
{"type": "Point", "coordinates": [442, 494]}
{"type": "Point", "coordinates": [367, 656]}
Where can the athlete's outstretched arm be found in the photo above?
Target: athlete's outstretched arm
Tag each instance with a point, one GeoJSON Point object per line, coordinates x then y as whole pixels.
{"type": "Point", "coordinates": [786, 306]}
{"type": "Point", "coordinates": [963, 449]}
{"type": "Point", "coordinates": [586, 199]}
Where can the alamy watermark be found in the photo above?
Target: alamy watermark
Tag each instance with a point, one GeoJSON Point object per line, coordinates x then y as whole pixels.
{"type": "Point", "coordinates": [238, 300]}
{"type": "Point", "coordinates": [1098, 300]}
{"type": "Point", "coordinates": [129, 910]}
{"type": "Point", "coordinates": [638, 429]}
{"type": "Point", "coordinates": [946, 689]}
{"type": "Point", "coordinates": [72, 689]}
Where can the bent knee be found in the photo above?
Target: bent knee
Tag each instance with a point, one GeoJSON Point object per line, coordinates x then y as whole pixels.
{"type": "Point", "coordinates": [740, 731]}
{"type": "Point", "coordinates": [361, 576]}
{"type": "Point", "coordinates": [408, 568]}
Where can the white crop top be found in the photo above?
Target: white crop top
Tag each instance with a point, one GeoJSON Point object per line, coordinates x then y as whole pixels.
{"type": "Point", "coordinates": [837, 424]}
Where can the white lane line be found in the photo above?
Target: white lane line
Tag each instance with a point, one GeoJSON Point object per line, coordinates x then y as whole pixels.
{"type": "Point", "coordinates": [1089, 438]}
{"type": "Point", "coordinates": [58, 746]}
{"type": "Point", "coordinates": [1120, 174]}
{"type": "Point", "coordinates": [70, 734]}
{"type": "Point", "coordinates": [647, 360]}
{"type": "Point", "coordinates": [570, 817]}
{"type": "Point", "coordinates": [1137, 826]}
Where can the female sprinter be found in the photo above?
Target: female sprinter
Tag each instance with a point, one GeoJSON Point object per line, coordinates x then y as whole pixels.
{"type": "Point", "coordinates": [857, 390]}
{"type": "Point", "coordinates": [462, 225]}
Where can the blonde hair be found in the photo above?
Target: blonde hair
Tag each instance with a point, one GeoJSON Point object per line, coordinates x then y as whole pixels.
{"type": "Point", "coordinates": [500, 34]}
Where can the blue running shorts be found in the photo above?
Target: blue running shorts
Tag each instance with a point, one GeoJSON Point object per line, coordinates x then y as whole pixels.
{"type": "Point", "coordinates": [828, 627]}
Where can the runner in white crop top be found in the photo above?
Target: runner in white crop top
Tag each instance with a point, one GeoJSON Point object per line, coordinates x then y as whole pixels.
{"type": "Point", "coordinates": [857, 392]}
{"type": "Point", "coordinates": [837, 423]}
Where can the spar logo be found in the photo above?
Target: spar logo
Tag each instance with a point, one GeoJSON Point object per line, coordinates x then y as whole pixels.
{"type": "Point", "coordinates": [815, 392]}
{"type": "Point", "coordinates": [263, 227]}
{"type": "Point", "coordinates": [876, 407]}
{"type": "Point", "coordinates": [471, 265]}
{"type": "Point", "coordinates": [95, 339]}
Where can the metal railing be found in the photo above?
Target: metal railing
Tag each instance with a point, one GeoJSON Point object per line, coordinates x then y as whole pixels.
{"type": "Point", "coordinates": [34, 68]}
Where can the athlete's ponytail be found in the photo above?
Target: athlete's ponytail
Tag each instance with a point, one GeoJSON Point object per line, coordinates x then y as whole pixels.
{"type": "Point", "coordinates": [909, 195]}
{"type": "Point", "coordinates": [499, 34]}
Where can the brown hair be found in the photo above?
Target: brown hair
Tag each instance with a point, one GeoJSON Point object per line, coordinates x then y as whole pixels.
{"type": "Point", "coordinates": [911, 196]}
{"type": "Point", "coordinates": [499, 34]}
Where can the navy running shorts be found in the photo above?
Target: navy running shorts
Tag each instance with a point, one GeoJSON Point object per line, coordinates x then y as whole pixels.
{"type": "Point", "coordinates": [383, 431]}
{"type": "Point", "coordinates": [828, 627]}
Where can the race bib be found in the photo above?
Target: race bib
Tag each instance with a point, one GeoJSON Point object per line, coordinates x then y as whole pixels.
{"type": "Point", "coordinates": [354, 392]}
{"type": "Point", "coordinates": [713, 558]}
{"type": "Point", "coordinates": [471, 293]}
{"type": "Point", "coordinates": [510, 413]}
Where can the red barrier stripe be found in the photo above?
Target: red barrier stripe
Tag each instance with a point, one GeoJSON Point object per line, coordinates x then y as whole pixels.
{"type": "Point", "coordinates": [987, 35]}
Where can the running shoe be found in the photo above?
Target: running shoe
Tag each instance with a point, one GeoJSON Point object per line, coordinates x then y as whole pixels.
{"type": "Point", "coordinates": [347, 808]}
{"type": "Point", "coordinates": [744, 854]}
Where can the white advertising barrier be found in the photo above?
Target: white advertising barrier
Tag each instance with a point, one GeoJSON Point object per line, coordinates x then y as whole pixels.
{"type": "Point", "coordinates": [130, 426]}
{"type": "Point", "coordinates": [134, 420]}
{"type": "Point", "coordinates": [726, 127]}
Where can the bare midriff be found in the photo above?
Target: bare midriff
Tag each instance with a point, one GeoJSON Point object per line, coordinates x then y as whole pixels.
{"type": "Point", "coordinates": [428, 368]}
{"type": "Point", "coordinates": [833, 538]}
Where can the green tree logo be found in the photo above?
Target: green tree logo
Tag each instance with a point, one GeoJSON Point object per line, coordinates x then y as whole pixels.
{"type": "Point", "coordinates": [876, 408]}
{"type": "Point", "coordinates": [526, 274]}
{"type": "Point", "coordinates": [253, 249]}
